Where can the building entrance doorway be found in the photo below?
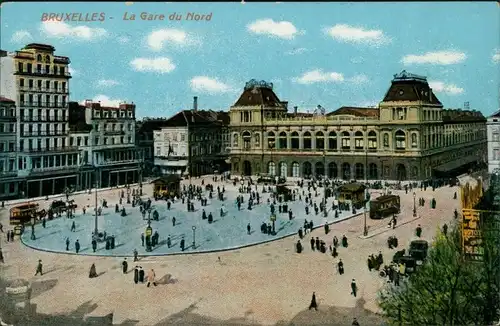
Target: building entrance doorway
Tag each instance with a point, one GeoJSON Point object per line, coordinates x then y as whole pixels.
{"type": "Point", "coordinates": [247, 168]}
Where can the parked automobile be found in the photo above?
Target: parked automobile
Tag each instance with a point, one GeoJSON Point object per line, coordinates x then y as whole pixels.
{"type": "Point", "coordinates": [418, 249]}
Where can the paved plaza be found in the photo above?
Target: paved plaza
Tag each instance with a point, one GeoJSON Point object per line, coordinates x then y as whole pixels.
{"type": "Point", "coordinates": [266, 284]}
{"type": "Point", "coordinates": [226, 232]}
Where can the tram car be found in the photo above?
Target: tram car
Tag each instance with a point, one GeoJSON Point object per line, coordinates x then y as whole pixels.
{"type": "Point", "coordinates": [167, 186]}
{"type": "Point", "coordinates": [22, 214]}
{"type": "Point", "coordinates": [353, 192]}
{"type": "Point", "coordinates": [383, 206]}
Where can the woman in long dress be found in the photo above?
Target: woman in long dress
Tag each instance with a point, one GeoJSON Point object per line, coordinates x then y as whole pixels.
{"type": "Point", "coordinates": [92, 272]}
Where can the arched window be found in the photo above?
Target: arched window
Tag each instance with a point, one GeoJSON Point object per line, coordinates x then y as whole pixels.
{"type": "Point", "coordinates": [414, 143]}
{"type": "Point", "coordinates": [39, 57]}
{"type": "Point", "coordinates": [359, 171]}
{"type": "Point", "coordinates": [47, 58]}
{"type": "Point", "coordinates": [307, 140]}
{"type": "Point", "coordinates": [247, 139]}
{"type": "Point", "coordinates": [235, 140]}
{"type": "Point", "coordinates": [333, 172]}
{"type": "Point", "coordinates": [400, 139]}
{"type": "Point", "coordinates": [271, 168]}
{"type": "Point", "coordinates": [346, 140]}
{"type": "Point", "coordinates": [372, 171]}
{"type": "Point", "coordinates": [307, 170]}
{"type": "Point", "coordinates": [319, 169]}
{"type": "Point", "coordinates": [372, 140]}
{"type": "Point", "coordinates": [283, 169]}
{"type": "Point", "coordinates": [271, 140]}
{"type": "Point", "coordinates": [283, 141]}
{"type": "Point", "coordinates": [359, 143]}
{"type": "Point", "coordinates": [294, 140]}
{"type": "Point", "coordinates": [346, 171]}
{"type": "Point", "coordinates": [295, 170]}
{"type": "Point", "coordinates": [320, 140]}
{"type": "Point", "coordinates": [332, 140]}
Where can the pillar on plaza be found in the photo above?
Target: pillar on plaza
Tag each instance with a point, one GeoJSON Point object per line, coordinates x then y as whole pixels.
{"type": "Point", "coordinates": [40, 188]}
{"type": "Point", "coordinates": [53, 186]}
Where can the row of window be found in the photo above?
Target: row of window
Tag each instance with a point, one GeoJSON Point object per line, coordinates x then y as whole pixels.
{"type": "Point", "coordinates": [42, 144]}
{"type": "Point", "coordinates": [116, 156]}
{"type": "Point", "coordinates": [295, 141]}
{"type": "Point", "coordinates": [53, 161]}
{"type": "Point", "coordinates": [8, 165]}
{"type": "Point", "coordinates": [43, 85]}
{"type": "Point", "coordinates": [113, 113]}
{"type": "Point", "coordinates": [40, 100]}
{"type": "Point", "coordinates": [7, 112]}
{"type": "Point", "coordinates": [7, 147]}
{"type": "Point", "coordinates": [113, 140]}
{"type": "Point", "coordinates": [41, 128]}
{"type": "Point", "coordinates": [7, 127]}
{"type": "Point", "coordinates": [114, 127]}
{"type": "Point", "coordinates": [40, 69]}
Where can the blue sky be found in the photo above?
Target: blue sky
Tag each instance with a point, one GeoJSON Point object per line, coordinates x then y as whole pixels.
{"type": "Point", "coordinates": [332, 54]}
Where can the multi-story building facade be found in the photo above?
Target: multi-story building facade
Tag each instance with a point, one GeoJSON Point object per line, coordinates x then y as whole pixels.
{"type": "Point", "coordinates": [196, 140]}
{"type": "Point", "coordinates": [38, 81]}
{"type": "Point", "coordinates": [112, 158]}
{"type": "Point", "coordinates": [171, 149]}
{"type": "Point", "coordinates": [408, 137]}
{"type": "Point", "coordinates": [144, 139]}
{"type": "Point", "coordinates": [9, 181]}
{"type": "Point", "coordinates": [493, 126]}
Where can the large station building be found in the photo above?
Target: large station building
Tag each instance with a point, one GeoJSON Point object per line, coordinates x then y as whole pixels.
{"type": "Point", "coordinates": [409, 136]}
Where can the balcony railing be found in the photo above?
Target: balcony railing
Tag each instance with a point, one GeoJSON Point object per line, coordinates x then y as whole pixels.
{"type": "Point", "coordinates": [43, 72]}
{"type": "Point", "coordinates": [36, 89]}
{"type": "Point", "coordinates": [6, 174]}
{"type": "Point", "coordinates": [43, 105]}
{"type": "Point", "coordinates": [54, 169]}
{"type": "Point", "coordinates": [47, 150]}
{"type": "Point", "coordinates": [114, 132]}
{"type": "Point", "coordinates": [44, 119]}
{"type": "Point", "coordinates": [43, 133]}
{"type": "Point", "coordinates": [110, 162]}
{"type": "Point", "coordinates": [8, 117]}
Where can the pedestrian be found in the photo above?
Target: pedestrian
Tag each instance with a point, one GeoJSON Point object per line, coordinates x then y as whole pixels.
{"type": "Point", "coordinates": [151, 277]}
{"type": "Point", "coordinates": [173, 221]}
{"type": "Point", "coordinates": [354, 288]}
{"type": "Point", "coordinates": [182, 244]}
{"type": "Point", "coordinates": [136, 275]}
{"type": "Point", "coordinates": [141, 275]}
{"type": "Point", "coordinates": [73, 227]}
{"type": "Point", "coordinates": [313, 304]}
{"type": "Point", "coordinates": [318, 244]}
{"type": "Point", "coordinates": [92, 272]}
{"type": "Point", "coordinates": [142, 239]}
{"type": "Point", "coordinates": [248, 228]}
{"type": "Point", "coordinates": [8, 236]}
{"type": "Point", "coordinates": [125, 266]}
{"type": "Point", "coordinates": [445, 229]}
{"type": "Point", "coordinates": [340, 265]}
{"type": "Point", "coordinates": [94, 245]}
{"type": "Point", "coordinates": [67, 244]}
{"type": "Point", "coordinates": [1, 256]}
{"type": "Point", "coordinates": [39, 268]}
{"type": "Point", "coordinates": [136, 254]}
{"type": "Point", "coordinates": [312, 244]}
{"type": "Point", "coordinates": [169, 242]}
{"type": "Point", "coordinates": [44, 222]}
{"type": "Point", "coordinates": [77, 246]}
{"type": "Point", "coordinates": [418, 231]}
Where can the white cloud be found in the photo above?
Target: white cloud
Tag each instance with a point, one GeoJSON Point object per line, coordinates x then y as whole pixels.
{"type": "Point", "coordinates": [161, 65]}
{"type": "Point", "coordinates": [282, 29]}
{"type": "Point", "coordinates": [449, 89]}
{"type": "Point", "coordinates": [435, 58]}
{"type": "Point", "coordinates": [496, 56]}
{"type": "Point", "coordinates": [357, 35]}
{"type": "Point", "coordinates": [209, 85]}
{"type": "Point", "coordinates": [21, 36]}
{"type": "Point", "coordinates": [319, 76]}
{"type": "Point", "coordinates": [123, 39]}
{"type": "Point", "coordinates": [296, 51]}
{"type": "Point", "coordinates": [107, 83]}
{"type": "Point", "coordinates": [105, 101]}
{"type": "Point", "coordinates": [359, 79]}
{"type": "Point", "coordinates": [159, 38]}
{"type": "Point", "coordinates": [62, 30]}
{"type": "Point", "coordinates": [72, 71]}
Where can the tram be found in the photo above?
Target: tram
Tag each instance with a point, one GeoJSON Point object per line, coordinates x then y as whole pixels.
{"type": "Point", "coordinates": [383, 206]}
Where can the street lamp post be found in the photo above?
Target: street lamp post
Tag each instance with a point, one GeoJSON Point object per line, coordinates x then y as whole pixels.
{"type": "Point", "coordinates": [96, 208]}
{"type": "Point", "coordinates": [194, 236]}
{"type": "Point", "coordinates": [325, 208]}
{"type": "Point", "coordinates": [365, 227]}
{"type": "Point", "coordinates": [414, 205]}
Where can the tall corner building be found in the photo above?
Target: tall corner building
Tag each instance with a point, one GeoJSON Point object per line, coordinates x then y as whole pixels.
{"type": "Point", "coordinates": [409, 136]}
{"type": "Point", "coordinates": [37, 80]}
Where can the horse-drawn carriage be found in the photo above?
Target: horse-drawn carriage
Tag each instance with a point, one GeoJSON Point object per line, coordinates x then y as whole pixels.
{"type": "Point", "coordinates": [24, 213]}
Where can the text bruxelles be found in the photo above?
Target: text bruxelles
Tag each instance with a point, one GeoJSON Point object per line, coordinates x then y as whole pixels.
{"type": "Point", "coordinates": [74, 17]}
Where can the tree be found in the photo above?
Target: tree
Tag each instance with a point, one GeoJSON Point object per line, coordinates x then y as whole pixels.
{"type": "Point", "coordinates": [446, 289]}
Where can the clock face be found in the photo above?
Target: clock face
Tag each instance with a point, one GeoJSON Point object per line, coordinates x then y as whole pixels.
{"type": "Point", "coordinates": [401, 92]}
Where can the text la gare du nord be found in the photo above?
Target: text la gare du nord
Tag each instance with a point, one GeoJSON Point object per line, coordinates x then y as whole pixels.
{"type": "Point", "coordinates": [173, 16]}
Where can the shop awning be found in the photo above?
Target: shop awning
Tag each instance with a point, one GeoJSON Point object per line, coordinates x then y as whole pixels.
{"type": "Point", "coordinates": [176, 163]}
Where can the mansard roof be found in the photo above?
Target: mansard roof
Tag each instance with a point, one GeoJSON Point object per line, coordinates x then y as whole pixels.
{"type": "Point", "coordinates": [355, 111]}
{"type": "Point", "coordinates": [258, 93]}
{"type": "Point", "coordinates": [411, 87]}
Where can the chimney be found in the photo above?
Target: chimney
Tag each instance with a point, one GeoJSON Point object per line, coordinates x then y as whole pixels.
{"type": "Point", "coordinates": [295, 109]}
{"type": "Point", "coordinates": [195, 103]}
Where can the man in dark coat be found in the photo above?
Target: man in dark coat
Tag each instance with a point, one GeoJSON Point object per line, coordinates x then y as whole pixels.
{"type": "Point", "coordinates": [298, 247]}
{"type": "Point", "coordinates": [125, 266]}
{"type": "Point", "coordinates": [73, 227]}
{"type": "Point", "coordinates": [77, 246]}
{"type": "Point", "coordinates": [94, 245]}
{"type": "Point", "coordinates": [370, 265]}
{"type": "Point", "coordinates": [182, 244]}
{"type": "Point", "coordinates": [344, 241]}
{"type": "Point", "coordinates": [418, 231]}
{"type": "Point", "coordinates": [67, 244]}
{"type": "Point", "coordinates": [141, 275]}
{"type": "Point", "coordinates": [300, 233]}
{"type": "Point", "coordinates": [445, 229]}
{"type": "Point", "coordinates": [318, 243]}
{"type": "Point", "coordinates": [354, 288]}
{"type": "Point", "coordinates": [142, 239]}
{"type": "Point", "coordinates": [340, 265]}
{"type": "Point", "coordinates": [248, 228]}
{"type": "Point", "coordinates": [169, 242]}
{"type": "Point", "coordinates": [312, 244]}
{"type": "Point", "coordinates": [136, 275]}
{"type": "Point", "coordinates": [39, 268]}
{"type": "Point", "coordinates": [313, 304]}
